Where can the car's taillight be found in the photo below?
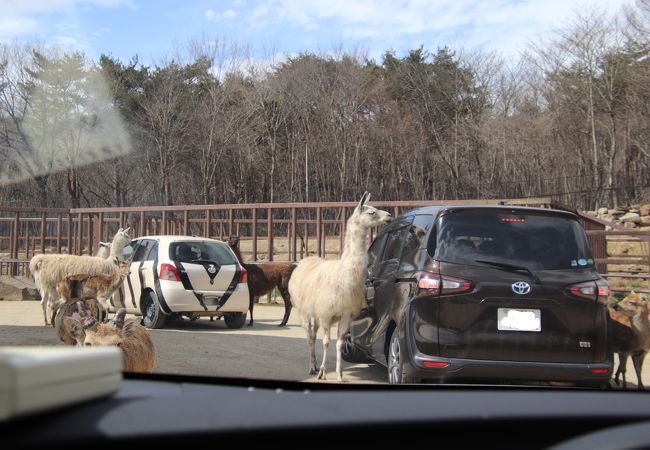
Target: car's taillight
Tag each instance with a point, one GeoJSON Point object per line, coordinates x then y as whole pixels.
{"type": "Point", "coordinates": [432, 284]}
{"type": "Point", "coordinates": [593, 290]}
{"type": "Point", "coordinates": [169, 272]}
{"type": "Point", "coordinates": [243, 276]}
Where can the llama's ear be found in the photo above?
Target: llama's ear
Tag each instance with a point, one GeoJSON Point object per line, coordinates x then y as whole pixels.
{"type": "Point", "coordinates": [126, 230]}
{"type": "Point", "coordinates": [364, 199]}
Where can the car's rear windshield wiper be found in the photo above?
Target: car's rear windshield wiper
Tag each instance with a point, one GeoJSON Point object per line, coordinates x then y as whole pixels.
{"type": "Point", "coordinates": [511, 268]}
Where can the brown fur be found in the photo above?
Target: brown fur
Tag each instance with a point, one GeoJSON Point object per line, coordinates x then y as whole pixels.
{"type": "Point", "coordinates": [631, 329]}
{"type": "Point", "coordinates": [138, 351]}
{"type": "Point", "coordinates": [69, 318]}
{"type": "Point", "coordinates": [264, 277]}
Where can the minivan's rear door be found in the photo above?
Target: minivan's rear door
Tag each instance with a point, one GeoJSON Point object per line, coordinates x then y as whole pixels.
{"type": "Point", "coordinates": [519, 304]}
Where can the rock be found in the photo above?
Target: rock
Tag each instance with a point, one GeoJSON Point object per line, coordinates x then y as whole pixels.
{"type": "Point", "coordinates": [629, 224]}
{"type": "Point", "coordinates": [645, 221]}
{"type": "Point", "coordinates": [644, 210]}
{"type": "Point", "coordinates": [602, 211]}
{"type": "Point", "coordinates": [607, 217]}
{"type": "Point", "coordinates": [30, 294]}
{"type": "Point", "coordinates": [630, 217]}
{"type": "Point", "coordinates": [616, 212]}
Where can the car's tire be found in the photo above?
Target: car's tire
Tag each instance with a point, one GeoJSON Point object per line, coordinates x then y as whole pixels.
{"type": "Point", "coordinates": [152, 316]}
{"type": "Point", "coordinates": [351, 353]}
{"type": "Point", "coordinates": [398, 372]}
{"type": "Point", "coordinates": [235, 320]}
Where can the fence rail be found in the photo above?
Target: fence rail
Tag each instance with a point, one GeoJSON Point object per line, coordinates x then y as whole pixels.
{"type": "Point", "coordinates": [268, 231]}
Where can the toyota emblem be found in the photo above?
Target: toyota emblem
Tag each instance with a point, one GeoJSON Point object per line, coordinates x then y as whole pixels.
{"type": "Point", "coordinates": [521, 288]}
{"type": "Point", "coordinates": [212, 268]}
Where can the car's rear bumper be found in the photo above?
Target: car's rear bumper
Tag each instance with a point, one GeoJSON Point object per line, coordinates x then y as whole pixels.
{"type": "Point", "coordinates": [180, 299]}
{"type": "Point", "coordinates": [468, 369]}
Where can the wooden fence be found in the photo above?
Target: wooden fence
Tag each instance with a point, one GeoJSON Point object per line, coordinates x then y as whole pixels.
{"type": "Point", "coordinates": [267, 231]}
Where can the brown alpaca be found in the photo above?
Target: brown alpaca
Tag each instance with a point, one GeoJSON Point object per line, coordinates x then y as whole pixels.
{"type": "Point", "coordinates": [264, 277]}
{"type": "Point", "coordinates": [631, 334]}
{"type": "Point", "coordinates": [138, 352]}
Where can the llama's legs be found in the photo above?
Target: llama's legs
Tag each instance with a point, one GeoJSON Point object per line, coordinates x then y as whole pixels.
{"type": "Point", "coordinates": [637, 359]}
{"type": "Point", "coordinates": [344, 326]}
{"type": "Point", "coordinates": [251, 303]}
{"type": "Point", "coordinates": [44, 302]}
{"type": "Point", "coordinates": [287, 306]}
{"type": "Point", "coordinates": [311, 336]}
{"type": "Point", "coordinates": [322, 373]}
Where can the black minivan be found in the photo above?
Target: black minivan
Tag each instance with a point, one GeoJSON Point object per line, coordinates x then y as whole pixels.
{"type": "Point", "coordinates": [484, 293]}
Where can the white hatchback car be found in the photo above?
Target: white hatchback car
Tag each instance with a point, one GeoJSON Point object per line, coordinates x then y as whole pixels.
{"type": "Point", "coordinates": [184, 275]}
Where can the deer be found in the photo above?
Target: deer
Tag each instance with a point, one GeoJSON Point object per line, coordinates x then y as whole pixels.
{"type": "Point", "coordinates": [631, 328]}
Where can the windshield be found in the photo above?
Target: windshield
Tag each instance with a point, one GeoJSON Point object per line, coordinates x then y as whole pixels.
{"type": "Point", "coordinates": [538, 242]}
{"type": "Point", "coordinates": [201, 251]}
{"type": "Point", "coordinates": [246, 175]}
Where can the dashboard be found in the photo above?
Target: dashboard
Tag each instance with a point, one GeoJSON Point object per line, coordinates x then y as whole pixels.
{"type": "Point", "coordinates": [156, 410]}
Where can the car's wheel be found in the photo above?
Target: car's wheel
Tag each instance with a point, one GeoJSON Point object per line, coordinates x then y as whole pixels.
{"type": "Point", "coordinates": [152, 315]}
{"type": "Point", "coordinates": [397, 371]}
{"type": "Point", "coordinates": [351, 352]}
{"type": "Point", "coordinates": [235, 320]}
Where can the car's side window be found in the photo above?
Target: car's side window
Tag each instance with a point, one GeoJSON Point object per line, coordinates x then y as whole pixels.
{"type": "Point", "coordinates": [141, 250]}
{"type": "Point", "coordinates": [395, 240]}
{"type": "Point", "coordinates": [376, 249]}
{"type": "Point", "coordinates": [414, 238]}
{"type": "Point", "coordinates": [153, 250]}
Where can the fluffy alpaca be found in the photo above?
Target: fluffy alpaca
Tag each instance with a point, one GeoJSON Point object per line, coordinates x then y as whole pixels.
{"type": "Point", "coordinates": [102, 286]}
{"type": "Point", "coordinates": [49, 269]}
{"type": "Point", "coordinates": [632, 336]}
{"type": "Point", "coordinates": [264, 277]}
{"type": "Point", "coordinates": [138, 352]}
{"type": "Point", "coordinates": [330, 291]}
{"type": "Point", "coordinates": [114, 248]}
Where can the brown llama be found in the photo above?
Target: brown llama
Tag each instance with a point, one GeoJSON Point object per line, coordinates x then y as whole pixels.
{"type": "Point", "coordinates": [264, 277]}
{"type": "Point", "coordinates": [631, 334]}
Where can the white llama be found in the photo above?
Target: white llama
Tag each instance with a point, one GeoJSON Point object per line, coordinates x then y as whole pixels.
{"type": "Point", "coordinates": [116, 246]}
{"type": "Point", "coordinates": [330, 291]}
{"type": "Point", "coordinates": [49, 269]}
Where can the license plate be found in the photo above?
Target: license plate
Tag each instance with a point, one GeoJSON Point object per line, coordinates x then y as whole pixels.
{"type": "Point", "coordinates": [510, 319]}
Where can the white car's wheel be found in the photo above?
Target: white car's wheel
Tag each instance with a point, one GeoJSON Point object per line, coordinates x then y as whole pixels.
{"type": "Point", "coordinates": [235, 320]}
{"type": "Point", "coordinates": [152, 315]}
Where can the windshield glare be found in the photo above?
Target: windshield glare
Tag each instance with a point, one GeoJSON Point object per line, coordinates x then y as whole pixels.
{"type": "Point", "coordinates": [538, 242]}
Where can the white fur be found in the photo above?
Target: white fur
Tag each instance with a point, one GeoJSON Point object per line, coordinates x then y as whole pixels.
{"type": "Point", "coordinates": [114, 248]}
{"type": "Point", "coordinates": [49, 269]}
{"type": "Point", "coordinates": [329, 291]}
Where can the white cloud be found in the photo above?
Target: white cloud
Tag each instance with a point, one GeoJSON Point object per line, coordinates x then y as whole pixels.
{"type": "Point", "coordinates": [17, 26]}
{"type": "Point", "coordinates": [214, 16]}
{"type": "Point", "coordinates": [499, 23]}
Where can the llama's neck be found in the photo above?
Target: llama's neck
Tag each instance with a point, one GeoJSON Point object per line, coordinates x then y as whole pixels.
{"type": "Point", "coordinates": [116, 247]}
{"type": "Point", "coordinates": [237, 253]}
{"type": "Point", "coordinates": [355, 249]}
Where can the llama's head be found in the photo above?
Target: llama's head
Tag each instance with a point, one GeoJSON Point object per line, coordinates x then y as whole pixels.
{"type": "Point", "coordinates": [632, 305]}
{"type": "Point", "coordinates": [120, 241]}
{"type": "Point", "coordinates": [369, 216]}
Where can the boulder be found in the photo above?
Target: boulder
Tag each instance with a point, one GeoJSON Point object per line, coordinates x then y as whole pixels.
{"type": "Point", "coordinates": [629, 224]}
{"type": "Point", "coordinates": [644, 210]}
{"type": "Point", "coordinates": [602, 211]}
{"type": "Point", "coordinates": [630, 217]}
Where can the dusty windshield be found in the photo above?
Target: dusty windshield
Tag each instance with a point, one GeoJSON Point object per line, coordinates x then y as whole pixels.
{"type": "Point", "coordinates": [218, 171]}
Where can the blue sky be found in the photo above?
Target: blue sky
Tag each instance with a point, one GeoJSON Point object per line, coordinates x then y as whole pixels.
{"type": "Point", "coordinates": [153, 29]}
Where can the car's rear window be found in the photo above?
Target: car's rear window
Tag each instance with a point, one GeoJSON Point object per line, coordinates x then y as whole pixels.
{"type": "Point", "coordinates": [197, 251]}
{"type": "Point", "coordinates": [537, 241]}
